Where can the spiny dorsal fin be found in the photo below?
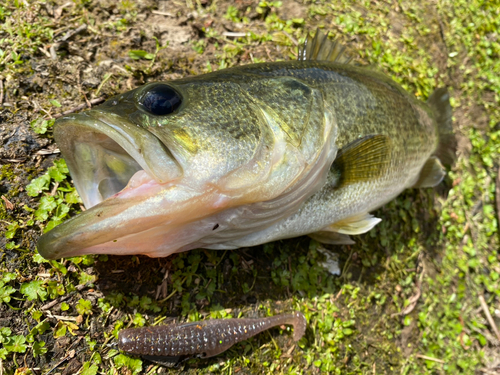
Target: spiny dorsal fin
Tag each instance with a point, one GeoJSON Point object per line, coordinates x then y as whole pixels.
{"type": "Point", "coordinates": [323, 49]}
{"type": "Point", "coordinates": [362, 160]}
{"type": "Point", "coordinates": [432, 173]}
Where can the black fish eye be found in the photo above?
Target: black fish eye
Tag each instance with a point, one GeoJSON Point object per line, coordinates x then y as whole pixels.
{"type": "Point", "coordinates": [160, 100]}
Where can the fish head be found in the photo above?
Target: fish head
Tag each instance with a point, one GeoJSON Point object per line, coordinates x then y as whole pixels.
{"type": "Point", "coordinates": [150, 162]}
{"type": "Point", "coordinates": [200, 132]}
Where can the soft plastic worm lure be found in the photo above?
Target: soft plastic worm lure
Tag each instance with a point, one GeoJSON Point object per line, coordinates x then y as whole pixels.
{"type": "Point", "coordinates": [205, 338]}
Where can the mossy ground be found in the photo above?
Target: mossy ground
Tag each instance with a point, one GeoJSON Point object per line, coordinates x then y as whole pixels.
{"type": "Point", "coordinates": [408, 299]}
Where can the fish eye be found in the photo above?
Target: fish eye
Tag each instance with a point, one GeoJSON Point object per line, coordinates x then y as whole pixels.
{"type": "Point", "coordinates": [160, 100]}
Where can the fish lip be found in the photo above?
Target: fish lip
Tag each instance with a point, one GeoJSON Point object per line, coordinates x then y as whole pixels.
{"type": "Point", "coordinates": [137, 146]}
{"type": "Point", "coordinates": [98, 133]}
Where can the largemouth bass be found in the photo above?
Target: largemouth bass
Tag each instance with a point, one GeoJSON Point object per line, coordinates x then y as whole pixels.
{"type": "Point", "coordinates": [247, 155]}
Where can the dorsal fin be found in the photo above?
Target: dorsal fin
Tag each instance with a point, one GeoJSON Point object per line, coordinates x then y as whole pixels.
{"type": "Point", "coordinates": [323, 49]}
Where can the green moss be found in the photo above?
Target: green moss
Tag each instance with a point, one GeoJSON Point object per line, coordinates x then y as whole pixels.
{"type": "Point", "coordinates": [7, 172]}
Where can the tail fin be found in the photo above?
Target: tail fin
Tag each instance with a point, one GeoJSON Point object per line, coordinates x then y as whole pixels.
{"type": "Point", "coordinates": [439, 101]}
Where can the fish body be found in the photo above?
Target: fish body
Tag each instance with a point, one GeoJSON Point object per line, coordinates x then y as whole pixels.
{"type": "Point", "coordinates": [247, 155]}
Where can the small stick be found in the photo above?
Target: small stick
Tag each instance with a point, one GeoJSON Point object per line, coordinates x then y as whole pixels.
{"type": "Point", "coordinates": [497, 190]}
{"type": "Point", "coordinates": [8, 204]}
{"type": "Point", "coordinates": [488, 316]}
{"type": "Point", "coordinates": [64, 40]}
{"type": "Point", "coordinates": [45, 52]}
{"type": "Point", "coordinates": [105, 79]}
{"type": "Point", "coordinates": [54, 189]}
{"type": "Point", "coordinates": [61, 317]}
{"type": "Point", "coordinates": [430, 358]}
{"type": "Point", "coordinates": [71, 33]}
{"type": "Point", "coordinates": [53, 54]}
{"type": "Point", "coordinates": [81, 106]}
{"type": "Point", "coordinates": [1, 92]}
{"type": "Point", "coordinates": [63, 298]}
{"type": "Point", "coordinates": [162, 13]}
{"type": "Point", "coordinates": [292, 39]}
{"type": "Point", "coordinates": [489, 372]}
{"type": "Point", "coordinates": [232, 34]}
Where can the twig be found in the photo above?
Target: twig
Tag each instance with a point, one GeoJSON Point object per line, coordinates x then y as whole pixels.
{"type": "Point", "coordinates": [52, 50]}
{"type": "Point", "coordinates": [497, 191]}
{"type": "Point", "coordinates": [292, 39]}
{"type": "Point", "coordinates": [47, 152]}
{"type": "Point", "coordinates": [268, 54]}
{"type": "Point", "coordinates": [14, 160]}
{"type": "Point", "coordinates": [412, 301]}
{"type": "Point", "coordinates": [489, 372]}
{"type": "Point", "coordinates": [105, 79]}
{"type": "Point", "coordinates": [344, 270]}
{"type": "Point", "coordinates": [430, 358]}
{"type": "Point", "coordinates": [64, 40]}
{"type": "Point", "coordinates": [63, 298]}
{"type": "Point", "coordinates": [54, 189]}
{"type": "Point", "coordinates": [70, 355]}
{"type": "Point", "coordinates": [62, 317]}
{"type": "Point", "coordinates": [8, 204]}
{"type": "Point", "coordinates": [488, 316]}
{"type": "Point", "coordinates": [38, 107]}
{"type": "Point", "coordinates": [45, 52]}
{"type": "Point", "coordinates": [233, 34]}
{"type": "Point", "coordinates": [1, 92]}
{"type": "Point", "coordinates": [81, 106]}
{"type": "Point", "coordinates": [162, 13]}
{"type": "Point", "coordinates": [72, 33]}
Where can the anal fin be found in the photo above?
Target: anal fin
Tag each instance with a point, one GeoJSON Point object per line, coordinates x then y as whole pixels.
{"type": "Point", "coordinates": [331, 238]}
{"type": "Point", "coordinates": [432, 173]}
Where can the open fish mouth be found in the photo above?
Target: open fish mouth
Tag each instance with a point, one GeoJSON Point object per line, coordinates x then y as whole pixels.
{"type": "Point", "coordinates": [116, 166]}
{"type": "Point", "coordinates": [105, 153]}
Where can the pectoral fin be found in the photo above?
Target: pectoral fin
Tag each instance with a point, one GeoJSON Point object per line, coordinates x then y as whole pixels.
{"type": "Point", "coordinates": [357, 224]}
{"type": "Point", "coordinates": [332, 238]}
{"type": "Point", "coordinates": [362, 160]}
{"type": "Point", "coordinates": [432, 173]}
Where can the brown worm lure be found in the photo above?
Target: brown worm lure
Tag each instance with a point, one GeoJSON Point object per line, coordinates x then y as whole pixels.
{"type": "Point", "coordinates": [204, 338]}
